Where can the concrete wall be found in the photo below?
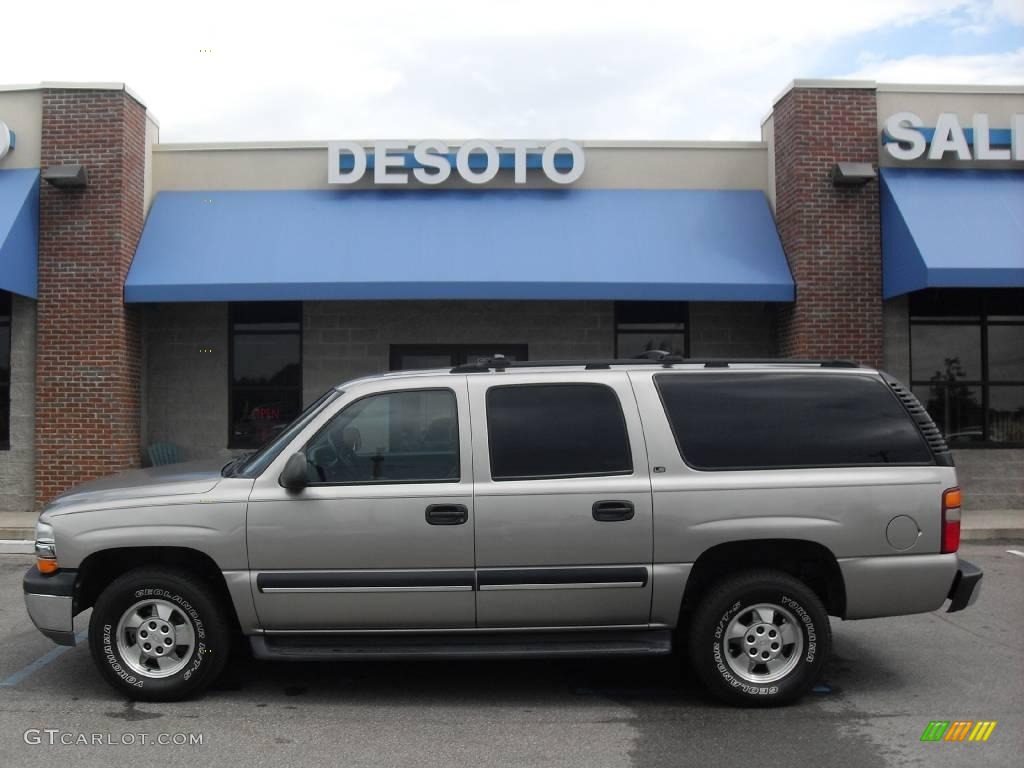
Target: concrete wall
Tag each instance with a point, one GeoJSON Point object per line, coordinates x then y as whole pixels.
{"type": "Point", "coordinates": [610, 165]}
{"type": "Point", "coordinates": [991, 479]}
{"type": "Point", "coordinates": [733, 329]}
{"type": "Point", "coordinates": [22, 110]}
{"type": "Point", "coordinates": [16, 464]}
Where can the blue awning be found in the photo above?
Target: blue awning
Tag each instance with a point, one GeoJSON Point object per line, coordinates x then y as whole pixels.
{"type": "Point", "coordinates": [19, 230]}
{"type": "Point", "coordinates": [951, 229]}
{"type": "Point", "coordinates": [454, 244]}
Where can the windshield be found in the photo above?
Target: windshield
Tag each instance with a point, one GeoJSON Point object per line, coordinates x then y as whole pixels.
{"type": "Point", "coordinates": [253, 464]}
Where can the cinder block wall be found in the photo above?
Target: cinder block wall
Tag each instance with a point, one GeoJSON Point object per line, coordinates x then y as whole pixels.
{"type": "Point", "coordinates": [186, 387]}
{"type": "Point", "coordinates": [733, 329]}
{"type": "Point", "coordinates": [344, 339]}
{"type": "Point", "coordinates": [187, 390]}
{"type": "Point", "coordinates": [830, 234]}
{"type": "Point", "coordinates": [89, 347]}
{"type": "Point", "coordinates": [16, 465]}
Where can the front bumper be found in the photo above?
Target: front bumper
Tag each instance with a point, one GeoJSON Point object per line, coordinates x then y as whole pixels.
{"type": "Point", "coordinates": [966, 586]}
{"type": "Point", "coordinates": [50, 601]}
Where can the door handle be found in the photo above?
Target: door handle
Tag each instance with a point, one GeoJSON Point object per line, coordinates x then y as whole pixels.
{"type": "Point", "coordinates": [613, 511]}
{"type": "Point", "coordinates": [447, 514]}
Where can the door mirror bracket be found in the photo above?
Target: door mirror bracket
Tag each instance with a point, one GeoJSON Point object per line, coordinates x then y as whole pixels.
{"type": "Point", "coordinates": [293, 477]}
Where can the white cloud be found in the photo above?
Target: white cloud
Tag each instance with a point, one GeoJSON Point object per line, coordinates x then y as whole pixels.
{"type": "Point", "coordinates": [987, 69]}
{"type": "Point", "coordinates": [455, 68]}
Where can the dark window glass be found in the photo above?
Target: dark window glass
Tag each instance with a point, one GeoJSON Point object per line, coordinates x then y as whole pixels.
{"type": "Point", "coordinates": [1006, 352]}
{"type": "Point", "coordinates": [967, 362]}
{"type": "Point", "coordinates": [398, 437]}
{"type": "Point", "coordinates": [265, 375]}
{"type": "Point", "coordinates": [556, 430]}
{"type": "Point", "coordinates": [5, 370]}
{"type": "Point", "coordinates": [946, 352]}
{"type": "Point", "coordinates": [645, 326]}
{"type": "Point", "coordinates": [956, 409]}
{"type": "Point", "coordinates": [779, 420]}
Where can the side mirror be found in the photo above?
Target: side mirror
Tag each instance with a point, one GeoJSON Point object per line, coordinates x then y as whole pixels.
{"type": "Point", "coordinates": [293, 476]}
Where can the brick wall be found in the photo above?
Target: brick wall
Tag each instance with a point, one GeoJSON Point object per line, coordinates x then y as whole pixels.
{"type": "Point", "coordinates": [16, 491]}
{"type": "Point", "coordinates": [88, 363]}
{"type": "Point", "coordinates": [830, 234]}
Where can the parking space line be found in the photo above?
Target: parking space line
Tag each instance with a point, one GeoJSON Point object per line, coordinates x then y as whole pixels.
{"type": "Point", "coordinates": [1016, 552]}
{"type": "Point", "coordinates": [39, 663]}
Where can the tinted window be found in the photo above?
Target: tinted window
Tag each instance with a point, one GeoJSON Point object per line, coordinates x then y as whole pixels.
{"type": "Point", "coordinates": [556, 430]}
{"type": "Point", "coordinates": [967, 362]}
{"type": "Point", "coordinates": [397, 437]}
{"type": "Point", "coordinates": [774, 420]}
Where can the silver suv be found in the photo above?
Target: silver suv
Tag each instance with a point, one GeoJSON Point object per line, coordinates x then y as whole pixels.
{"type": "Point", "coordinates": [525, 509]}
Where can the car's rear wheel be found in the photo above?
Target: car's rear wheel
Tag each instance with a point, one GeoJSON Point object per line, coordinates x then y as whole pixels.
{"type": "Point", "coordinates": [157, 634]}
{"type": "Point", "coordinates": [760, 638]}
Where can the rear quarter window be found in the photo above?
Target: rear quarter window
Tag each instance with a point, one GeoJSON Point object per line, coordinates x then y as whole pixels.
{"type": "Point", "coordinates": [541, 431]}
{"type": "Point", "coordinates": [788, 420]}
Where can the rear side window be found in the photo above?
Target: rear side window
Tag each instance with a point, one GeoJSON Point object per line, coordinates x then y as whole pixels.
{"type": "Point", "coordinates": [556, 430]}
{"type": "Point", "coordinates": [788, 420]}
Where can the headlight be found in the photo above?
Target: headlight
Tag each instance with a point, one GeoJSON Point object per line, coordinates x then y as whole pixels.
{"type": "Point", "coordinates": [46, 548]}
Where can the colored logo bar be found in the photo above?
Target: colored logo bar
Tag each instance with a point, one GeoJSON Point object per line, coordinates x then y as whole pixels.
{"type": "Point", "coordinates": [958, 730]}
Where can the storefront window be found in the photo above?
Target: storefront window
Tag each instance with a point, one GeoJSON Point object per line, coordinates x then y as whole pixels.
{"type": "Point", "coordinates": [5, 370]}
{"type": "Point", "coordinates": [646, 326]}
{"type": "Point", "coordinates": [265, 370]}
{"type": "Point", "coordinates": [967, 363]}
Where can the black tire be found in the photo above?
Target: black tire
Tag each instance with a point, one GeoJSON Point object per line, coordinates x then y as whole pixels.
{"type": "Point", "coordinates": [735, 596]}
{"type": "Point", "coordinates": [195, 599]}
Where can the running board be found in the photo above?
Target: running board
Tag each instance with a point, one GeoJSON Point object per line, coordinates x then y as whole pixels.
{"type": "Point", "coordinates": [502, 645]}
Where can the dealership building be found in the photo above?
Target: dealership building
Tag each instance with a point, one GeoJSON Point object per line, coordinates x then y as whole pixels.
{"type": "Point", "coordinates": [164, 302]}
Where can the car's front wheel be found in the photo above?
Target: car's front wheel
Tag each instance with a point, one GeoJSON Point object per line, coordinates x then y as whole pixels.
{"type": "Point", "coordinates": [760, 638]}
{"type": "Point", "coordinates": [158, 634]}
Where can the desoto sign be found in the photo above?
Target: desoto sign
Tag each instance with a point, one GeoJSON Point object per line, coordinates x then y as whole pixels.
{"type": "Point", "coordinates": [432, 162]}
{"type": "Point", "coordinates": [907, 138]}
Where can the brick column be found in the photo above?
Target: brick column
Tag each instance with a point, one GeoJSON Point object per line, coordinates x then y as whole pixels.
{"type": "Point", "coordinates": [831, 234]}
{"type": "Point", "coordinates": [89, 348]}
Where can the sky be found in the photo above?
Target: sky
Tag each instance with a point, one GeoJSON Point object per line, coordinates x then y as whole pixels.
{"type": "Point", "coordinates": [451, 69]}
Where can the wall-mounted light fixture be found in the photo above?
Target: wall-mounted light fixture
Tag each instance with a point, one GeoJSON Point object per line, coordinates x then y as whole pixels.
{"type": "Point", "coordinates": [852, 174]}
{"type": "Point", "coordinates": [66, 176]}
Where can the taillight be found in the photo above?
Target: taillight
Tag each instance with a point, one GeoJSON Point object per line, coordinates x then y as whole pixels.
{"type": "Point", "coordinates": [950, 520]}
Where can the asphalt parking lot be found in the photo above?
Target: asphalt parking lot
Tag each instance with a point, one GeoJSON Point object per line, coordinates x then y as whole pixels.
{"type": "Point", "coordinates": [887, 679]}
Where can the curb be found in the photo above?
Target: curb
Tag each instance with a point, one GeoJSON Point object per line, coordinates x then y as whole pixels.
{"type": "Point", "coordinates": [992, 534]}
{"type": "Point", "coordinates": [17, 547]}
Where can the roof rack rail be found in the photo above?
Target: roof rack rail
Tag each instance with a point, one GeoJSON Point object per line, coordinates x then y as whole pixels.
{"type": "Point", "coordinates": [665, 361]}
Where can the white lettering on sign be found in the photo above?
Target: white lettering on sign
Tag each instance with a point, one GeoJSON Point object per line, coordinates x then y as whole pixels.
{"type": "Point", "coordinates": [6, 140]}
{"type": "Point", "coordinates": [432, 161]}
{"type": "Point", "coordinates": [907, 138]}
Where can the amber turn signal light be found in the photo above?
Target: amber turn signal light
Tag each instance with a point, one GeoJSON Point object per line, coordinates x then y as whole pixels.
{"type": "Point", "coordinates": [47, 566]}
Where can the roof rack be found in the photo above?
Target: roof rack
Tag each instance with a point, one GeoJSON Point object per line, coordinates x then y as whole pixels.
{"type": "Point", "coordinates": [665, 361]}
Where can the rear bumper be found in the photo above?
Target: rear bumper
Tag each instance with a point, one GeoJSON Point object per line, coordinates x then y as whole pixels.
{"type": "Point", "coordinates": [966, 587]}
{"type": "Point", "coordinates": [50, 602]}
